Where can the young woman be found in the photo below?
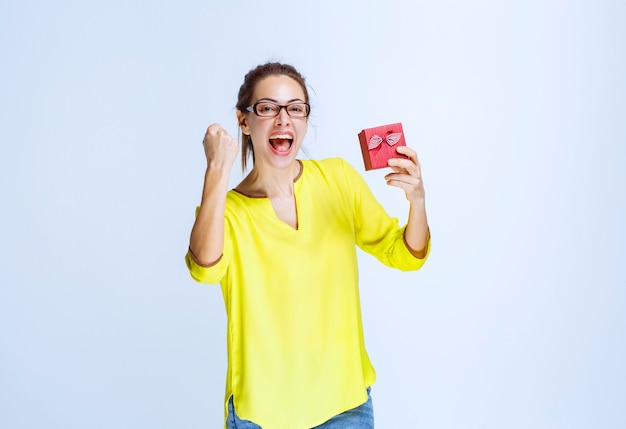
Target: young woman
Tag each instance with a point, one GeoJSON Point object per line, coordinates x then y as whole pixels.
{"type": "Point", "coordinates": [282, 244]}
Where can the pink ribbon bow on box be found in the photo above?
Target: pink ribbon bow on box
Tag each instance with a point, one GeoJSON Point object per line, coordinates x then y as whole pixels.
{"type": "Point", "coordinates": [376, 140]}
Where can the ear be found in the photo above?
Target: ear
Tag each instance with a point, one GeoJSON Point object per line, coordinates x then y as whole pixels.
{"type": "Point", "coordinates": [242, 119]}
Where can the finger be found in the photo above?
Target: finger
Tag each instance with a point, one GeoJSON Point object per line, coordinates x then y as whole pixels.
{"type": "Point", "coordinates": [408, 165]}
{"type": "Point", "coordinates": [213, 130]}
{"type": "Point", "coordinates": [402, 178]}
{"type": "Point", "coordinates": [411, 182]}
{"type": "Point", "coordinates": [397, 169]}
{"type": "Point", "coordinates": [408, 151]}
{"type": "Point", "coordinates": [406, 187]}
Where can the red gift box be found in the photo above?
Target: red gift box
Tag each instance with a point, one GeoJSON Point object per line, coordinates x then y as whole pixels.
{"type": "Point", "coordinates": [379, 144]}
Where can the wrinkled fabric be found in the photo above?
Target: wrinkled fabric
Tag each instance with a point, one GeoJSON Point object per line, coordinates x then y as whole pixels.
{"type": "Point", "coordinates": [296, 351]}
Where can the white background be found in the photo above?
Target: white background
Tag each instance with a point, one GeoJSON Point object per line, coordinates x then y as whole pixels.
{"type": "Point", "coordinates": [517, 110]}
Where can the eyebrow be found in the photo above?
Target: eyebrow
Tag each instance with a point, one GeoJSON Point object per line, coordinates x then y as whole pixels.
{"type": "Point", "coordinates": [276, 101]}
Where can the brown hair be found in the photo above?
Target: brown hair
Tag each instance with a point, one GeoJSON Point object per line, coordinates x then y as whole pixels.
{"type": "Point", "coordinates": [246, 92]}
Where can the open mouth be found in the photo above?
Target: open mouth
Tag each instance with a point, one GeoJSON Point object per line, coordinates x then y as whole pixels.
{"type": "Point", "coordinates": [281, 143]}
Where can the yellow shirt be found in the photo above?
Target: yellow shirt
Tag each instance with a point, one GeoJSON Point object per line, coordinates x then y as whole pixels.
{"type": "Point", "coordinates": [296, 354]}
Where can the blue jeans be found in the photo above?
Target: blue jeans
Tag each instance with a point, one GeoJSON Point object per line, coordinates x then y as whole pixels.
{"type": "Point", "coordinates": [361, 417]}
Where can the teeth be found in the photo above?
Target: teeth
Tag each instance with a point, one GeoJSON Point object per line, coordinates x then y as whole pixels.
{"type": "Point", "coordinates": [281, 136]}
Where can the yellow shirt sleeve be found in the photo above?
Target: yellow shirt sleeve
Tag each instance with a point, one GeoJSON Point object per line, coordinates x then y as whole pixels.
{"type": "Point", "coordinates": [376, 232]}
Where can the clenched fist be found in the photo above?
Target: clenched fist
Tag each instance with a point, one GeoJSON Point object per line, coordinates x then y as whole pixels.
{"type": "Point", "coordinates": [219, 147]}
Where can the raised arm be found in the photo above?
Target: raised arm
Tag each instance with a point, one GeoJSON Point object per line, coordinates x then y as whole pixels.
{"type": "Point", "coordinates": [407, 175]}
{"type": "Point", "coordinates": [206, 243]}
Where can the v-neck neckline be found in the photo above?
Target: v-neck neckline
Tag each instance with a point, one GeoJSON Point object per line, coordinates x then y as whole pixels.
{"type": "Point", "coordinates": [300, 173]}
{"type": "Point", "coordinates": [267, 200]}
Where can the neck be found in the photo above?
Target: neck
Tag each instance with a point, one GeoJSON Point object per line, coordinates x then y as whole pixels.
{"type": "Point", "coordinates": [271, 182]}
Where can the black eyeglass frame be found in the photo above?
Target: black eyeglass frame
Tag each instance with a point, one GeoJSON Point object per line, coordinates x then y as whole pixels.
{"type": "Point", "coordinates": [253, 109]}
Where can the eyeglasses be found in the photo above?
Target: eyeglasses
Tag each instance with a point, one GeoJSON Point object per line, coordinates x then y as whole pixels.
{"type": "Point", "coordinates": [267, 109]}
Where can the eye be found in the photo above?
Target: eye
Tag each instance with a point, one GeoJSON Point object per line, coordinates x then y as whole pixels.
{"type": "Point", "coordinates": [265, 108]}
{"type": "Point", "coordinates": [298, 110]}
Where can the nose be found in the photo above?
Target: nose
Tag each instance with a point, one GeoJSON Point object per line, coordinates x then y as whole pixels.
{"type": "Point", "coordinates": [283, 117]}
